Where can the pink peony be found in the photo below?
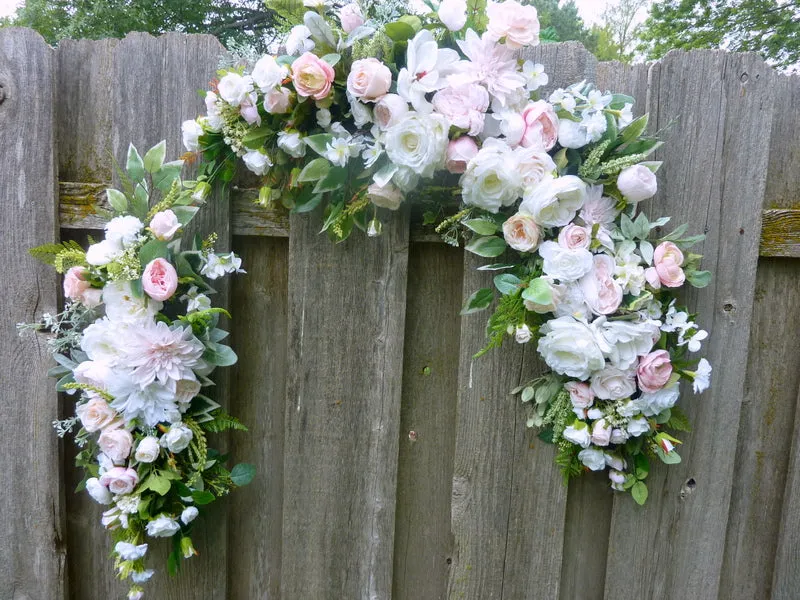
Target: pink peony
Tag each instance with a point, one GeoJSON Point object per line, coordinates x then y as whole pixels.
{"type": "Point", "coordinates": [667, 260]}
{"type": "Point", "coordinates": [164, 225]}
{"type": "Point", "coordinates": [463, 106]}
{"type": "Point", "coordinates": [120, 480]}
{"type": "Point", "coordinates": [541, 126]}
{"type": "Point", "coordinates": [159, 279]}
{"type": "Point", "coordinates": [459, 152]}
{"type": "Point", "coordinates": [654, 371]}
{"type": "Point", "coordinates": [574, 236]}
{"type": "Point", "coordinates": [518, 24]}
{"type": "Point", "coordinates": [522, 233]}
{"type": "Point", "coordinates": [601, 292]}
{"type": "Point", "coordinates": [369, 80]}
{"type": "Point", "coordinates": [312, 76]}
{"type": "Point", "coordinates": [78, 289]}
{"type": "Point", "coordinates": [351, 17]}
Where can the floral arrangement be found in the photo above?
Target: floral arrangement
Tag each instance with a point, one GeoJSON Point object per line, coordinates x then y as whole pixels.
{"type": "Point", "coordinates": [364, 111]}
{"type": "Point", "coordinates": [136, 344]}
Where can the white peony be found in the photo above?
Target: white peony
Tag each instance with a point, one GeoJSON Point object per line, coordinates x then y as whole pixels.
{"type": "Point", "coordinates": [178, 438]}
{"type": "Point", "coordinates": [268, 74]}
{"type": "Point", "coordinates": [653, 403]}
{"type": "Point", "coordinates": [418, 142]}
{"type": "Point", "coordinates": [565, 264]}
{"type": "Point", "coordinates": [191, 132]}
{"type": "Point", "coordinates": [162, 526]}
{"type": "Point", "coordinates": [104, 252]}
{"type": "Point", "coordinates": [568, 347]}
{"type": "Point", "coordinates": [234, 88]}
{"type": "Point", "coordinates": [492, 179]}
{"type": "Point", "coordinates": [569, 302]}
{"type": "Point", "coordinates": [101, 342]}
{"type": "Point", "coordinates": [123, 306]}
{"type": "Point", "coordinates": [637, 183]}
{"type": "Point", "coordinates": [622, 342]}
{"type": "Point", "coordinates": [593, 458]}
{"type": "Point", "coordinates": [124, 231]}
{"type": "Point", "coordinates": [572, 134]}
{"type": "Point", "coordinates": [555, 200]}
{"type": "Point", "coordinates": [578, 433]}
{"type": "Point", "coordinates": [97, 491]}
{"type": "Point", "coordinates": [147, 450]}
{"type": "Point", "coordinates": [453, 14]}
{"type": "Point", "coordinates": [614, 384]}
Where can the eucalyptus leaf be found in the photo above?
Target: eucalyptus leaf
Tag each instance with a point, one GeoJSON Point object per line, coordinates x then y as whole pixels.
{"type": "Point", "coordinates": [488, 246]}
{"type": "Point", "coordinates": [154, 158]}
{"type": "Point", "coordinates": [699, 279]}
{"type": "Point", "coordinates": [481, 226]}
{"type": "Point", "coordinates": [134, 165]}
{"type": "Point", "coordinates": [320, 30]}
{"type": "Point", "coordinates": [478, 301]}
{"type": "Point", "coordinates": [117, 200]}
{"type": "Point", "coordinates": [219, 355]}
{"type": "Point", "coordinates": [242, 474]}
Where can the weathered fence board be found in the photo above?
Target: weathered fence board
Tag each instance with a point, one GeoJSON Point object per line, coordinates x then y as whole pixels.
{"type": "Point", "coordinates": [32, 561]}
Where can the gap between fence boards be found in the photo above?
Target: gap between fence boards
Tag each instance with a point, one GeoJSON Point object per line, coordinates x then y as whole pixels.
{"type": "Point", "coordinates": [82, 206]}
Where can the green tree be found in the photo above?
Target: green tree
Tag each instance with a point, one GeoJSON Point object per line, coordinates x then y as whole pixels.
{"type": "Point", "coordinates": [605, 46]}
{"type": "Point", "coordinates": [769, 27]}
{"type": "Point", "coordinates": [620, 23]}
{"type": "Point", "coordinates": [565, 21]}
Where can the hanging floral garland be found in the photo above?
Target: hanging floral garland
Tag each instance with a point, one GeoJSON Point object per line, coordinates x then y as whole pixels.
{"type": "Point", "coordinates": [135, 345]}
{"type": "Point", "coordinates": [369, 107]}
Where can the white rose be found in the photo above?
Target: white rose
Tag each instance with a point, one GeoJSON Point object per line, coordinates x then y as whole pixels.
{"type": "Point", "coordinates": [638, 426]}
{"type": "Point", "coordinates": [177, 439]}
{"type": "Point", "coordinates": [593, 458]}
{"type": "Point", "coordinates": [164, 225]}
{"type": "Point", "coordinates": [522, 334]}
{"type": "Point", "coordinates": [96, 414]}
{"type": "Point", "coordinates": [578, 433]}
{"type": "Point", "coordinates": [191, 131]}
{"type": "Point", "coordinates": [623, 342]}
{"type": "Point", "coordinates": [601, 433]}
{"type": "Point", "coordinates": [162, 526]}
{"type": "Point", "coordinates": [214, 120]}
{"type": "Point", "coordinates": [637, 183]}
{"type": "Point", "coordinates": [418, 142]}
{"type": "Point", "coordinates": [453, 14]}
{"type": "Point", "coordinates": [555, 200]}
{"type": "Point", "coordinates": [292, 143]}
{"type": "Point", "coordinates": [268, 74]}
{"type": "Point", "coordinates": [390, 110]}
{"type": "Point", "coordinates": [258, 162]}
{"type": "Point", "coordinates": [122, 305]}
{"type": "Point", "coordinates": [124, 230]}
{"type": "Point", "coordinates": [534, 165]}
{"type": "Point", "coordinates": [387, 196]}
{"type": "Point", "coordinates": [565, 264]}
{"type": "Point", "coordinates": [654, 403]}
{"type": "Point", "coordinates": [568, 347]}
{"type": "Point", "coordinates": [116, 444]}
{"type": "Point", "coordinates": [580, 394]}
{"type": "Point", "coordinates": [234, 88]}
{"type": "Point", "coordinates": [189, 514]}
{"type": "Point", "coordinates": [298, 40]}
{"type": "Point", "coordinates": [492, 179]}
{"type": "Point", "coordinates": [572, 134]}
{"type": "Point", "coordinates": [277, 102]}
{"type": "Point", "coordinates": [148, 449]}
{"type": "Point", "coordinates": [120, 480]}
{"type": "Point", "coordinates": [98, 491]}
{"type": "Point", "coordinates": [93, 372]}
{"type": "Point", "coordinates": [104, 252]}
{"type": "Point", "coordinates": [614, 384]}
{"type": "Point", "coordinates": [518, 24]}
{"type": "Point", "coordinates": [369, 79]}
{"type": "Point", "coordinates": [128, 551]}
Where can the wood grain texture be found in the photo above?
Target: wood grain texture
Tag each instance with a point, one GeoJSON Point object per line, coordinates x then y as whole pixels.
{"type": "Point", "coordinates": [346, 323]}
{"type": "Point", "coordinates": [423, 541]}
{"type": "Point", "coordinates": [721, 105]}
{"type": "Point", "coordinates": [780, 230]}
{"type": "Point", "coordinates": [32, 561]}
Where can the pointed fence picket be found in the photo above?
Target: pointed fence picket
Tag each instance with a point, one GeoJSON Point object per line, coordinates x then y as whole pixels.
{"type": "Point", "coordinates": [392, 463]}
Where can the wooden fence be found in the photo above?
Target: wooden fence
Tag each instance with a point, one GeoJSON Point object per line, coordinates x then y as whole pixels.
{"type": "Point", "coordinates": [391, 464]}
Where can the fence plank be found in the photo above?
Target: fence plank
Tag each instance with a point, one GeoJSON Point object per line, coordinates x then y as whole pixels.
{"type": "Point", "coordinates": [32, 560]}
{"type": "Point", "coordinates": [713, 174]}
{"type": "Point", "coordinates": [423, 541]}
{"type": "Point", "coordinates": [346, 320]}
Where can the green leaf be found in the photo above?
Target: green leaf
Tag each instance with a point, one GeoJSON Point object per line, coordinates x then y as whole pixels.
{"type": "Point", "coordinates": [160, 485]}
{"type": "Point", "coordinates": [219, 355]}
{"type": "Point", "coordinates": [174, 561]}
{"type": "Point", "coordinates": [185, 213]}
{"type": "Point", "coordinates": [641, 466]}
{"type": "Point", "coordinates": [634, 129]}
{"type": "Point", "coordinates": [699, 279]}
{"type": "Point", "coordinates": [639, 492]}
{"type": "Point", "coordinates": [242, 474]}
{"type": "Point", "coordinates": [318, 143]}
{"type": "Point", "coordinates": [546, 435]}
{"type": "Point", "coordinates": [478, 301]}
{"type": "Point", "coordinates": [673, 458]}
{"type": "Point", "coordinates": [618, 101]}
{"type": "Point", "coordinates": [308, 204]}
{"type": "Point", "coordinates": [141, 201]}
{"type": "Point", "coordinates": [134, 165]}
{"type": "Point", "coordinates": [626, 226]}
{"type": "Point", "coordinates": [334, 180]}
{"type": "Point", "coordinates": [315, 170]}
{"type": "Point", "coordinates": [203, 497]}
{"type": "Point", "coordinates": [482, 226]}
{"type": "Point", "coordinates": [332, 59]}
{"type": "Point", "coordinates": [678, 420]}
{"type": "Point", "coordinates": [168, 173]}
{"type": "Point", "coordinates": [117, 200]}
{"type": "Point", "coordinates": [320, 30]}
{"type": "Point", "coordinates": [255, 138]}
{"type": "Point", "coordinates": [538, 292]}
{"type": "Point", "coordinates": [154, 158]}
{"type": "Point", "coordinates": [527, 394]}
{"type": "Point", "coordinates": [399, 31]}
{"type": "Point", "coordinates": [507, 283]}
{"type": "Point", "coordinates": [489, 246]}
{"type": "Point", "coordinates": [152, 250]}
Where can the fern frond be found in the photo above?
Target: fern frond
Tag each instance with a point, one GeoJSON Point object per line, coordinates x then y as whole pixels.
{"type": "Point", "coordinates": [69, 253]}
{"type": "Point", "coordinates": [222, 421]}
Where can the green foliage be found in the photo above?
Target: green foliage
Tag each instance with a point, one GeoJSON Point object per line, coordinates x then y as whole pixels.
{"type": "Point", "coordinates": [510, 312]}
{"type": "Point", "coordinates": [567, 460]}
{"type": "Point", "coordinates": [61, 256]}
{"type": "Point", "coordinates": [678, 420]}
{"type": "Point", "coordinates": [561, 22]}
{"type": "Point", "coordinates": [222, 421]}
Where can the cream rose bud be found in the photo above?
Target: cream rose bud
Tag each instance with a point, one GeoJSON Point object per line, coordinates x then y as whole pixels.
{"type": "Point", "coordinates": [601, 433]}
{"type": "Point", "coordinates": [654, 371]}
{"type": "Point", "coordinates": [189, 514]}
{"type": "Point", "coordinates": [292, 143]}
{"type": "Point", "coordinates": [159, 280]}
{"type": "Point", "coordinates": [522, 233]}
{"type": "Point", "coordinates": [96, 414]}
{"type": "Point", "coordinates": [459, 152]}
{"type": "Point", "coordinates": [147, 450]}
{"type": "Point", "coordinates": [164, 225]}
{"type": "Point", "coordinates": [116, 444]}
{"type": "Point", "coordinates": [574, 236]}
{"type": "Point", "coordinates": [453, 14]}
{"type": "Point", "coordinates": [613, 384]}
{"type": "Point", "coordinates": [162, 526]}
{"type": "Point", "coordinates": [578, 433]}
{"type": "Point", "coordinates": [177, 439]}
{"type": "Point", "coordinates": [120, 480]}
{"type": "Point", "coordinates": [97, 491]}
{"type": "Point", "coordinates": [191, 132]}
{"type": "Point", "coordinates": [637, 183]}
{"type": "Point", "coordinates": [593, 458]}
{"type": "Point", "coordinates": [277, 102]}
{"type": "Point", "coordinates": [351, 17]}
{"type": "Point", "coordinates": [258, 162]}
{"type": "Point", "coordinates": [387, 196]}
{"type": "Point", "coordinates": [369, 80]}
{"type": "Point", "coordinates": [522, 334]}
{"type": "Point", "coordinates": [312, 76]}
{"type": "Point", "coordinates": [517, 24]}
{"type": "Point", "coordinates": [390, 110]}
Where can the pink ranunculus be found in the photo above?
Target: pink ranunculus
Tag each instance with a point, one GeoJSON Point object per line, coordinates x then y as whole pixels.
{"type": "Point", "coordinates": [601, 292]}
{"type": "Point", "coordinates": [522, 233]}
{"type": "Point", "coordinates": [463, 106]}
{"type": "Point", "coordinates": [351, 17]}
{"type": "Point", "coordinates": [459, 152]}
{"type": "Point", "coordinates": [667, 260]}
{"type": "Point", "coordinates": [390, 110]}
{"type": "Point", "coordinates": [120, 480]}
{"type": "Point", "coordinates": [541, 126]}
{"type": "Point", "coordinates": [369, 79]}
{"type": "Point", "coordinates": [116, 444]}
{"type": "Point", "coordinates": [96, 415]}
{"type": "Point", "coordinates": [580, 394]}
{"type": "Point", "coordinates": [654, 371]}
{"type": "Point", "coordinates": [164, 225]}
{"type": "Point", "coordinates": [651, 275]}
{"type": "Point", "coordinates": [277, 102]}
{"type": "Point", "coordinates": [78, 289]}
{"type": "Point", "coordinates": [312, 76]}
{"type": "Point", "coordinates": [518, 24]}
{"type": "Point", "coordinates": [159, 280]}
{"type": "Point", "coordinates": [574, 236]}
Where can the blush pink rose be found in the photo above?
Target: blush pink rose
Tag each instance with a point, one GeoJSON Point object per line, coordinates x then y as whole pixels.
{"type": "Point", "coordinates": [159, 280]}
{"type": "Point", "coordinates": [518, 24]}
{"type": "Point", "coordinates": [522, 233]}
{"type": "Point", "coordinates": [667, 260]}
{"type": "Point", "coordinates": [312, 76]}
{"type": "Point", "coordinates": [651, 275]}
{"type": "Point", "coordinates": [574, 236]}
{"type": "Point", "coordinates": [390, 110]}
{"type": "Point", "coordinates": [116, 444]}
{"type": "Point", "coordinates": [78, 289]}
{"type": "Point", "coordinates": [463, 106]}
{"type": "Point", "coordinates": [277, 102]}
{"type": "Point", "coordinates": [96, 415]}
{"type": "Point", "coordinates": [120, 480]}
{"type": "Point", "coordinates": [654, 371]}
{"type": "Point", "coordinates": [459, 152]}
{"type": "Point", "coordinates": [601, 292]}
{"type": "Point", "coordinates": [369, 79]}
{"type": "Point", "coordinates": [164, 225]}
{"type": "Point", "coordinates": [351, 17]}
{"type": "Point", "coordinates": [580, 394]}
{"type": "Point", "coordinates": [541, 126]}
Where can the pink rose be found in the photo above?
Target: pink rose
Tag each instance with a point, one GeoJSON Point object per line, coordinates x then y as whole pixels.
{"type": "Point", "coordinates": [390, 110]}
{"type": "Point", "coordinates": [574, 236]}
{"type": "Point", "coordinates": [350, 17]}
{"type": "Point", "coordinates": [522, 233]}
{"type": "Point", "coordinates": [654, 371]}
{"type": "Point", "coordinates": [277, 102]}
{"type": "Point", "coordinates": [601, 433]}
{"type": "Point", "coordinates": [541, 126]}
{"type": "Point", "coordinates": [249, 109]}
{"type": "Point", "coordinates": [601, 292]}
{"type": "Point", "coordinates": [159, 279]}
{"type": "Point", "coordinates": [668, 259]}
{"type": "Point", "coordinates": [463, 106]}
{"type": "Point", "coordinates": [580, 394]}
{"type": "Point", "coordinates": [369, 79]}
{"type": "Point", "coordinates": [518, 24]}
{"type": "Point", "coordinates": [651, 275]}
{"type": "Point", "coordinates": [164, 225]}
{"type": "Point", "coordinates": [459, 152]}
{"type": "Point", "coordinates": [116, 444]}
{"type": "Point", "coordinates": [78, 289]}
{"type": "Point", "coordinates": [312, 76]}
{"type": "Point", "coordinates": [96, 414]}
{"type": "Point", "coordinates": [120, 480]}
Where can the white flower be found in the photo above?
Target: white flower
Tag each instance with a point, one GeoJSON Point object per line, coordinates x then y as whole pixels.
{"type": "Point", "coordinates": [390, 110]}
{"type": "Point", "coordinates": [135, 595]}
{"type": "Point", "coordinates": [258, 162]}
{"type": "Point", "coordinates": [578, 433]}
{"type": "Point", "coordinates": [268, 74]}
{"type": "Point", "coordinates": [128, 551]}
{"type": "Point", "coordinates": [141, 576]}
{"type": "Point", "coordinates": [626, 116]}
{"type": "Point", "coordinates": [178, 438]}
{"type": "Point", "coordinates": [565, 264]}
{"type": "Point", "coordinates": [97, 491]}
{"type": "Point", "coordinates": [595, 125]}
{"type": "Point", "coordinates": [191, 131]}
{"type": "Point", "coordinates": [702, 377]}
{"type": "Point", "coordinates": [93, 372]}
{"type": "Point", "coordinates": [617, 479]}
{"type": "Point", "coordinates": [425, 70]}
{"type": "Point", "coordinates": [418, 142]}
{"type": "Point", "coordinates": [124, 230]}
{"type": "Point", "coordinates": [568, 347]}
{"type": "Point", "coordinates": [147, 450]}
{"type": "Point", "coordinates": [186, 390]}
{"type": "Point", "coordinates": [162, 526]}
{"type": "Point", "coordinates": [517, 24]}
{"type": "Point", "coordinates": [156, 351]}
{"type": "Point", "coordinates": [601, 432]}
{"type": "Point", "coordinates": [555, 200]}
{"type": "Point", "coordinates": [614, 384]}
{"type": "Point", "coordinates": [164, 225]}
{"type": "Point", "coordinates": [234, 88]}
{"type": "Point", "coordinates": [217, 265]}
{"type": "Point", "coordinates": [195, 301]}
{"type": "Point", "coordinates": [122, 305]}
{"type": "Point", "coordinates": [593, 458]}
{"type": "Point", "coordinates": [597, 209]}
{"type": "Point", "coordinates": [324, 118]}
{"type": "Point", "coordinates": [570, 302]}
{"type": "Point", "coordinates": [522, 334]}
{"type": "Point", "coordinates": [339, 151]}
{"type": "Point", "coordinates": [638, 426]}
{"type": "Point", "coordinates": [153, 404]}
{"type": "Point", "coordinates": [214, 120]}
{"type": "Point", "coordinates": [533, 165]}
{"type": "Point", "coordinates": [627, 271]}
{"type": "Point", "coordinates": [564, 99]}
{"type": "Point", "coordinates": [189, 514]}
{"type": "Point", "coordinates": [116, 444]}
{"type": "Point", "coordinates": [491, 179]}
{"type": "Point", "coordinates": [619, 436]}
{"type": "Point", "coordinates": [534, 75]}
{"type": "Point", "coordinates": [572, 134]}
{"type": "Point", "coordinates": [622, 342]}
{"type": "Point", "coordinates": [653, 403]}
{"type": "Point", "coordinates": [637, 183]}
{"type": "Point", "coordinates": [405, 179]}
{"type": "Point", "coordinates": [371, 154]}
{"type": "Point", "coordinates": [597, 100]}
{"type": "Point", "coordinates": [453, 14]}
{"type": "Point", "coordinates": [104, 252]}
{"type": "Point", "coordinates": [693, 341]}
